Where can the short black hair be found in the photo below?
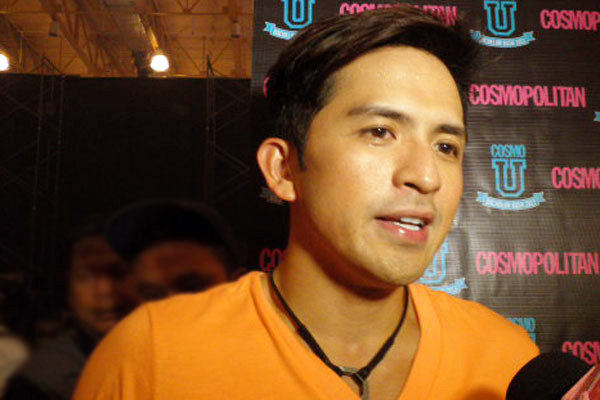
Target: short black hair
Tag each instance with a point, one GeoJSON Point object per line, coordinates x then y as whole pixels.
{"type": "Point", "coordinates": [300, 82]}
{"type": "Point", "coordinates": [92, 225]}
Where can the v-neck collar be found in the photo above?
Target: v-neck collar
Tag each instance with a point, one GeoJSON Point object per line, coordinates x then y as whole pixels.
{"type": "Point", "coordinates": [331, 386]}
{"type": "Point", "coordinates": [427, 359]}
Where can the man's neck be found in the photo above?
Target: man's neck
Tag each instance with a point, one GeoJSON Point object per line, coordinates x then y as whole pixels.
{"type": "Point", "coordinates": [349, 325]}
{"type": "Point", "coordinates": [335, 314]}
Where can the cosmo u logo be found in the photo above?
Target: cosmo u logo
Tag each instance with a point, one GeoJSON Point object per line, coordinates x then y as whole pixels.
{"type": "Point", "coordinates": [501, 23]}
{"type": "Point", "coordinates": [297, 14]}
{"type": "Point", "coordinates": [435, 274]}
{"type": "Point", "coordinates": [509, 162]}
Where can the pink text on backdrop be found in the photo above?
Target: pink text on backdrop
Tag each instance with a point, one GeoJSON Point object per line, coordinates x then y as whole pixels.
{"type": "Point", "coordinates": [448, 14]}
{"type": "Point", "coordinates": [527, 95]}
{"type": "Point", "coordinates": [588, 351]}
{"type": "Point", "coordinates": [534, 263]}
{"type": "Point", "coordinates": [575, 178]}
{"type": "Point", "coordinates": [269, 258]}
{"type": "Point", "coordinates": [583, 20]}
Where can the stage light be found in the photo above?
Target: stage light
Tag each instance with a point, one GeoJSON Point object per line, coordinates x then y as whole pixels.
{"type": "Point", "coordinates": [4, 62]}
{"type": "Point", "coordinates": [159, 62]}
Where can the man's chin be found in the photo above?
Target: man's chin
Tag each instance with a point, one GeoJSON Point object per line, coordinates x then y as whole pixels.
{"type": "Point", "coordinates": [100, 328]}
{"type": "Point", "coordinates": [394, 277]}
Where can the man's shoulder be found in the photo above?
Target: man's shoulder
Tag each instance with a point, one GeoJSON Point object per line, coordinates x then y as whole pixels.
{"type": "Point", "coordinates": [208, 307]}
{"type": "Point", "coordinates": [456, 314]}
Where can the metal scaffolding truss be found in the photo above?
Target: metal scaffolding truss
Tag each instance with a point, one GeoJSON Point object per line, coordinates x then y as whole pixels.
{"type": "Point", "coordinates": [31, 109]}
{"type": "Point", "coordinates": [224, 173]}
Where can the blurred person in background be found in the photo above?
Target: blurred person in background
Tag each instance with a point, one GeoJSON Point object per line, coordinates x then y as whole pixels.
{"type": "Point", "coordinates": [97, 298]}
{"type": "Point", "coordinates": [173, 247]}
{"type": "Point", "coordinates": [14, 348]}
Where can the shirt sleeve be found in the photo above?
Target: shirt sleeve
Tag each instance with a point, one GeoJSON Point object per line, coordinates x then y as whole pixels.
{"type": "Point", "coordinates": [122, 366]}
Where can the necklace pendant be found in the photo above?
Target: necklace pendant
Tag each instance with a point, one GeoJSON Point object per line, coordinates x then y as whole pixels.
{"type": "Point", "coordinates": [364, 390]}
{"type": "Point", "coordinates": [363, 384]}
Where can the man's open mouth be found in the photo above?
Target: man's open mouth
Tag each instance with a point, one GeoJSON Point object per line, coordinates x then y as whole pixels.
{"type": "Point", "coordinates": [412, 224]}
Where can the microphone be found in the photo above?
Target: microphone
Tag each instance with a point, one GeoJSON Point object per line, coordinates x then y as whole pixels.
{"type": "Point", "coordinates": [588, 387]}
{"type": "Point", "coordinates": [546, 377]}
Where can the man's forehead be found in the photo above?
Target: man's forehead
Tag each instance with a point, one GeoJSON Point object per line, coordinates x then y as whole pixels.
{"type": "Point", "coordinates": [397, 82]}
{"type": "Point", "coordinates": [387, 66]}
{"type": "Point", "coordinates": [95, 254]}
{"type": "Point", "coordinates": [91, 245]}
{"type": "Point", "coordinates": [394, 56]}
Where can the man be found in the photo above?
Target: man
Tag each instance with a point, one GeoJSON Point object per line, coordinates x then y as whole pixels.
{"type": "Point", "coordinates": [369, 159]}
{"type": "Point", "coordinates": [173, 247]}
{"type": "Point", "coordinates": [97, 299]}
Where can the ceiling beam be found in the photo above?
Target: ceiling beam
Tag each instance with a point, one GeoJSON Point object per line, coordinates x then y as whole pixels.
{"type": "Point", "coordinates": [236, 37]}
{"type": "Point", "coordinates": [70, 30]}
{"type": "Point", "coordinates": [80, 34]}
{"type": "Point", "coordinates": [201, 73]}
{"type": "Point", "coordinates": [94, 37]}
{"type": "Point", "coordinates": [157, 13]}
{"type": "Point", "coordinates": [99, 19]}
{"type": "Point", "coordinates": [25, 57]}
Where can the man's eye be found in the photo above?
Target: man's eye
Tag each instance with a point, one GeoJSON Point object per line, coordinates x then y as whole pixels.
{"type": "Point", "coordinates": [83, 276]}
{"type": "Point", "coordinates": [379, 132]}
{"type": "Point", "coordinates": [448, 148]}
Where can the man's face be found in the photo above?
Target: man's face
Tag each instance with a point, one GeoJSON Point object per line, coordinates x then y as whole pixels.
{"type": "Point", "coordinates": [174, 267]}
{"type": "Point", "coordinates": [383, 176]}
{"type": "Point", "coordinates": [96, 294]}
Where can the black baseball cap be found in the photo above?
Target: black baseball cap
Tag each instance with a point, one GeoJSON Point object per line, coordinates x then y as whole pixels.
{"type": "Point", "coordinates": [143, 224]}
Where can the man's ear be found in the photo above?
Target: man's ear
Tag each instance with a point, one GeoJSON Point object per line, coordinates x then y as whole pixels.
{"type": "Point", "coordinates": [274, 157]}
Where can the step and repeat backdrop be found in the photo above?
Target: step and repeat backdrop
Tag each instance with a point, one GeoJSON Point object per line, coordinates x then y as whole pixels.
{"type": "Point", "coordinates": [526, 240]}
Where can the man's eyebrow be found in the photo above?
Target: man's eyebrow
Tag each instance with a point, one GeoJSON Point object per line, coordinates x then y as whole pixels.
{"type": "Point", "coordinates": [380, 111]}
{"type": "Point", "coordinates": [453, 130]}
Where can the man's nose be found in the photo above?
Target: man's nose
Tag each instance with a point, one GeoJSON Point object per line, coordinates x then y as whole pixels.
{"type": "Point", "coordinates": [417, 167]}
{"type": "Point", "coordinates": [105, 286]}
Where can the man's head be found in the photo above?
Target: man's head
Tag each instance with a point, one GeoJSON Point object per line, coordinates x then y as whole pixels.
{"type": "Point", "coordinates": [97, 293]}
{"type": "Point", "coordinates": [173, 247]}
{"type": "Point", "coordinates": [303, 79]}
{"type": "Point", "coordinates": [372, 165]}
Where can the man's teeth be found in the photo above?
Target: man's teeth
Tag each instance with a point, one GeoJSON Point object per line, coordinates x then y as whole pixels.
{"type": "Point", "coordinates": [412, 224]}
{"type": "Point", "coordinates": [414, 221]}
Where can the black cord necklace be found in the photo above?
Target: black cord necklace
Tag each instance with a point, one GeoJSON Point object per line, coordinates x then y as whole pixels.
{"type": "Point", "coordinates": [358, 375]}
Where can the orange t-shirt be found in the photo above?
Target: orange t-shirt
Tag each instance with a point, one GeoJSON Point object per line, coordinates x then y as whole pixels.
{"type": "Point", "coordinates": [229, 343]}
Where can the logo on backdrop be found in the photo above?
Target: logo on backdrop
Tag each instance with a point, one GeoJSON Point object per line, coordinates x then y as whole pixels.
{"type": "Point", "coordinates": [297, 14]}
{"type": "Point", "coordinates": [509, 163]}
{"type": "Point", "coordinates": [527, 323]}
{"type": "Point", "coordinates": [435, 274]}
{"type": "Point", "coordinates": [588, 351]}
{"type": "Point", "coordinates": [501, 23]}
